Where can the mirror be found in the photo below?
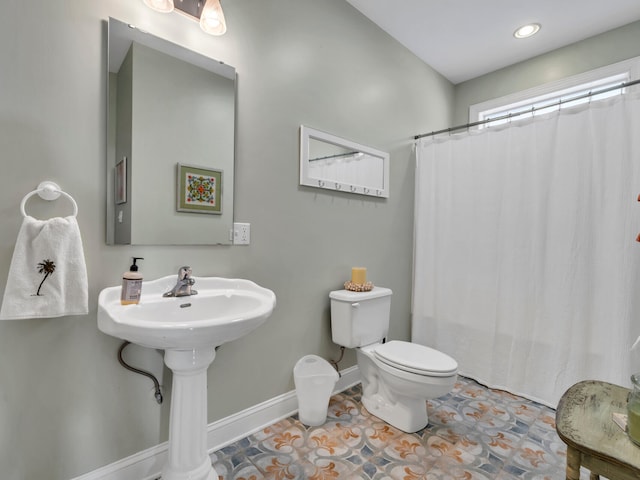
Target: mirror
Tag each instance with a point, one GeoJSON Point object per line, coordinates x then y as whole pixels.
{"type": "Point", "coordinates": [333, 163]}
{"type": "Point", "coordinates": [170, 142]}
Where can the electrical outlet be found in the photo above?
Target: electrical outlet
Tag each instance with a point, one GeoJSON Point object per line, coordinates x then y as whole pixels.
{"type": "Point", "coordinates": [241, 233]}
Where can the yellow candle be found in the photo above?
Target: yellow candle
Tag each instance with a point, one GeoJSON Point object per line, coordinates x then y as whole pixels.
{"type": "Point", "coordinates": [359, 275]}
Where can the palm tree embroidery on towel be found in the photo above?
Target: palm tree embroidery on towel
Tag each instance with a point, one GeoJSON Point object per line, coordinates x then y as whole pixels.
{"type": "Point", "coordinates": [46, 268]}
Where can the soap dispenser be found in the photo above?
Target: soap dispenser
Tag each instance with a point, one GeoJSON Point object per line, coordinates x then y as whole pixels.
{"type": "Point", "coordinates": [131, 284]}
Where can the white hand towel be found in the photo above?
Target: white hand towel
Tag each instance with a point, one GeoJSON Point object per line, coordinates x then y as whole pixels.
{"type": "Point", "coordinates": [48, 275]}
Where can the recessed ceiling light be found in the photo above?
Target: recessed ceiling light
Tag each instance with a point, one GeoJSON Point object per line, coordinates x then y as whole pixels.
{"type": "Point", "coordinates": [527, 30]}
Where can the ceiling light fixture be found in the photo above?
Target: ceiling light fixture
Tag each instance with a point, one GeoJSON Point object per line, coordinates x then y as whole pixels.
{"type": "Point", "coordinates": [527, 30]}
{"type": "Point", "coordinates": [212, 18]}
{"type": "Point", "coordinates": [207, 12]}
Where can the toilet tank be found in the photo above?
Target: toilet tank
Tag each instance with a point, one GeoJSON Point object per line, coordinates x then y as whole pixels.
{"type": "Point", "coordinates": [360, 318]}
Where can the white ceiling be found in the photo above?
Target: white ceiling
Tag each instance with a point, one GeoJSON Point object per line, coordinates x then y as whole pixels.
{"type": "Point", "coordinates": [463, 39]}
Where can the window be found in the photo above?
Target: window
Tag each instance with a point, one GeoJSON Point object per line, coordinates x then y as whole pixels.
{"type": "Point", "coordinates": [566, 93]}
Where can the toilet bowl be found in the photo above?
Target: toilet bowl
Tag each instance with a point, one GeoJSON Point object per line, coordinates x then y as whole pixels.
{"type": "Point", "coordinates": [397, 393]}
{"type": "Point", "coordinates": [397, 377]}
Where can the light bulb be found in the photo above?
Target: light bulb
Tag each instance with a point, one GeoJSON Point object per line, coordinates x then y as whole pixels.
{"type": "Point", "coordinates": [164, 6]}
{"type": "Point", "coordinates": [527, 30]}
{"type": "Point", "coordinates": [212, 18]}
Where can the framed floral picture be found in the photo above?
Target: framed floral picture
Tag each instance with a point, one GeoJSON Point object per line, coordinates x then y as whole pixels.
{"type": "Point", "coordinates": [199, 189]}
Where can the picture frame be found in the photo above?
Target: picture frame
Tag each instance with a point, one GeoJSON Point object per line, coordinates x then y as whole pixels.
{"type": "Point", "coordinates": [199, 189]}
{"type": "Point", "coordinates": [120, 182]}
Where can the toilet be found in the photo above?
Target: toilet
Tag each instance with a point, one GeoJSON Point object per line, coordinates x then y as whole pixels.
{"type": "Point", "coordinates": [397, 377]}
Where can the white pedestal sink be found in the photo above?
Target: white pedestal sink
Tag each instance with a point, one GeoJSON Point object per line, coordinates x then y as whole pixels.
{"type": "Point", "coordinates": [188, 329]}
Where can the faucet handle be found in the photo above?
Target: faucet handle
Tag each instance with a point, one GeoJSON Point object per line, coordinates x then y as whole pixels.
{"type": "Point", "coordinates": [184, 272]}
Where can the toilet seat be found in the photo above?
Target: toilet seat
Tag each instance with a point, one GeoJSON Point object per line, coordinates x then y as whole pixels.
{"type": "Point", "coordinates": [415, 358]}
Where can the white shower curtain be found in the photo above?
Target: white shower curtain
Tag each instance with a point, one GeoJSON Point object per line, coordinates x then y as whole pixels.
{"type": "Point", "coordinates": [526, 264]}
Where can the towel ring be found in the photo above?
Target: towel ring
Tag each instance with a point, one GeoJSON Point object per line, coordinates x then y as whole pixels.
{"type": "Point", "coordinates": [48, 191]}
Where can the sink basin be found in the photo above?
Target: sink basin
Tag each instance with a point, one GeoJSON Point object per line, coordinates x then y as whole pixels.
{"type": "Point", "coordinates": [223, 310]}
{"type": "Point", "coordinates": [188, 329]}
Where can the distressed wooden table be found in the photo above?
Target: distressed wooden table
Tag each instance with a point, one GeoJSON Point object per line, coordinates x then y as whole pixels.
{"type": "Point", "coordinates": [584, 423]}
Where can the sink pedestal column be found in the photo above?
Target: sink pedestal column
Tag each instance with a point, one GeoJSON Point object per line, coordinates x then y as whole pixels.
{"type": "Point", "coordinates": [188, 458]}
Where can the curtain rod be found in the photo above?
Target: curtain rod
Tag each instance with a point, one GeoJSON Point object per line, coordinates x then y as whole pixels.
{"type": "Point", "coordinates": [531, 110]}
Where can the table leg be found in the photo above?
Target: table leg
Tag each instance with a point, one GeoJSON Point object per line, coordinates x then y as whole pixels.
{"type": "Point", "coordinates": [573, 464]}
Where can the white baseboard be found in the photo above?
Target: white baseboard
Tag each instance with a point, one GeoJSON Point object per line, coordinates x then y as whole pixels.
{"type": "Point", "coordinates": [147, 464]}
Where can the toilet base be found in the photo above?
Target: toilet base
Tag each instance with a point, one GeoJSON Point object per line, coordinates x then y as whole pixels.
{"type": "Point", "coordinates": [410, 415]}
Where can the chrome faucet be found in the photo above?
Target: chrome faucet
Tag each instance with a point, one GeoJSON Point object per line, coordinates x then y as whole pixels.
{"type": "Point", "coordinates": [183, 287]}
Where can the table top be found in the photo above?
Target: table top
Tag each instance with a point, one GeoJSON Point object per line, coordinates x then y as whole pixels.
{"type": "Point", "coordinates": [583, 421]}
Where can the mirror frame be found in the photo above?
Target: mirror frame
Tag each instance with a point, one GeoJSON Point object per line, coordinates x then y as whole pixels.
{"type": "Point", "coordinates": [307, 134]}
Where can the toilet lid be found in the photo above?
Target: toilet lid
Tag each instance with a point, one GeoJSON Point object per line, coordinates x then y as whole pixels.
{"type": "Point", "coordinates": [416, 358]}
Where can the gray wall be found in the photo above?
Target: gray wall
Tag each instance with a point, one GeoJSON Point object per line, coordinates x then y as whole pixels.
{"type": "Point", "coordinates": [66, 405]}
{"type": "Point", "coordinates": [610, 47]}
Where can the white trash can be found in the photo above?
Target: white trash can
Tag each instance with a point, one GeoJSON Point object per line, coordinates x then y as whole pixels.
{"type": "Point", "coordinates": [314, 378]}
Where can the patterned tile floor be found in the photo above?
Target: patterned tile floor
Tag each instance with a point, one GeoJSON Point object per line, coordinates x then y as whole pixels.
{"type": "Point", "coordinates": [473, 433]}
